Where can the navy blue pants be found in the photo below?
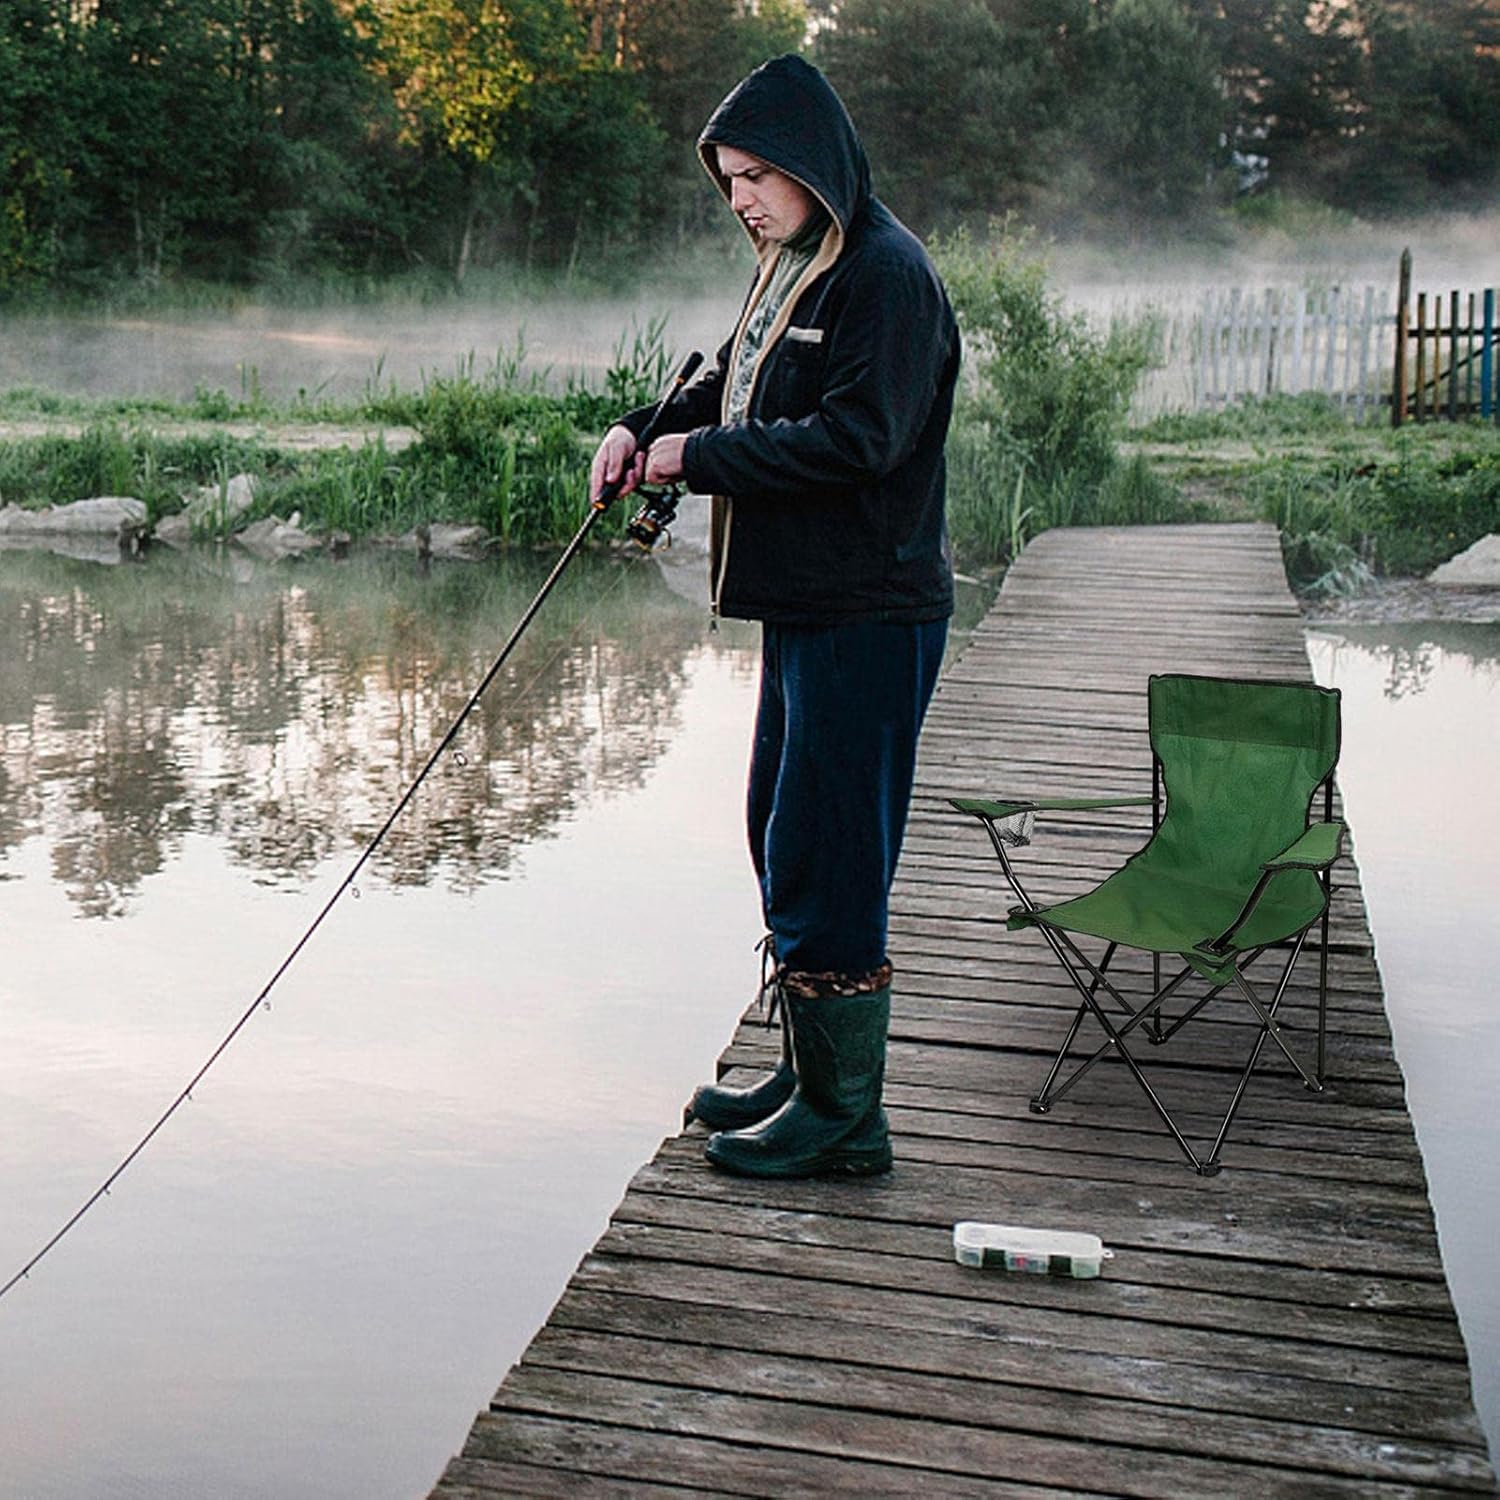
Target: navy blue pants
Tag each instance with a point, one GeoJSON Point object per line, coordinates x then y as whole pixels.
{"type": "Point", "coordinates": [830, 782]}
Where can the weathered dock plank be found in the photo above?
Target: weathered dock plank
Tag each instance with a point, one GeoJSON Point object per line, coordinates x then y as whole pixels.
{"type": "Point", "coordinates": [1282, 1329]}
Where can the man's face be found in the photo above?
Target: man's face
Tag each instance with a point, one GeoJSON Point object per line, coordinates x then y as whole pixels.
{"type": "Point", "coordinates": [772, 205]}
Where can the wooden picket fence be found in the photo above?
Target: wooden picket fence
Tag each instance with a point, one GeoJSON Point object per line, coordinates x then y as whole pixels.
{"type": "Point", "coordinates": [1237, 343]}
{"type": "Point", "coordinates": [1432, 357]}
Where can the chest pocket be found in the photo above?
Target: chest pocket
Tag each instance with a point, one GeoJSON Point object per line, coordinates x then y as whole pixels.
{"type": "Point", "coordinates": [795, 375]}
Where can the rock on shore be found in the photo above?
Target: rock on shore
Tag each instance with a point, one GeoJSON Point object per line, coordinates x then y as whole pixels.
{"type": "Point", "coordinates": [208, 507]}
{"type": "Point", "coordinates": [118, 518]}
{"type": "Point", "coordinates": [1477, 567]}
{"type": "Point", "coordinates": [272, 539]}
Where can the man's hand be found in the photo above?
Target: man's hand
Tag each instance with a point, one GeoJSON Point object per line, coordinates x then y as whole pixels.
{"type": "Point", "coordinates": [616, 459]}
{"type": "Point", "coordinates": [664, 461]}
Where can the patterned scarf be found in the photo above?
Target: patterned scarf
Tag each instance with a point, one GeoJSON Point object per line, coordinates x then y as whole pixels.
{"type": "Point", "coordinates": [791, 260]}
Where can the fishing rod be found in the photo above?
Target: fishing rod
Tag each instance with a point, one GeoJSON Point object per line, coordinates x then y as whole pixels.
{"type": "Point", "coordinates": [645, 528]}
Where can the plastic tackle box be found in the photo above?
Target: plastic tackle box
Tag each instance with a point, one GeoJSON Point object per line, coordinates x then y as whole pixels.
{"type": "Point", "coordinates": [1044, 1252]}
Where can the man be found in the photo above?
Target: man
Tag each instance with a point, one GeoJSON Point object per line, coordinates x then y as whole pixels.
{"type": "Point", "coordinates": [820, 432]}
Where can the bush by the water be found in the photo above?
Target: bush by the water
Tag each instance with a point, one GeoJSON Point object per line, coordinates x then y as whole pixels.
{"type": "Point", "coordinates": [1036, 428]}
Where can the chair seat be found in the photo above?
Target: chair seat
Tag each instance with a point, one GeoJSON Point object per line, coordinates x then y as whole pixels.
{"type": "Point", "coordinates": [1165, 912]}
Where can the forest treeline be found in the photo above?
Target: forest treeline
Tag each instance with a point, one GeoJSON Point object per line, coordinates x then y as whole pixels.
{"type": "Point", "coordinates": [259, 141]}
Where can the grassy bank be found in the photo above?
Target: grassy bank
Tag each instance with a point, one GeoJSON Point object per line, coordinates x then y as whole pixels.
{"type": "Point", "coordinates": [1351, 502]}
{"type": "Point", "coordinates": [496, 447]}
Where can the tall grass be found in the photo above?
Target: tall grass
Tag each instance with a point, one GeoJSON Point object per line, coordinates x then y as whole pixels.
{"type": "Point", "coordinates": [1254, 418]}
{"type": "Point", "coordinates": [110, 459]}
{"type": "Point", "coordinates": [1343, 524]}
{"type": "Point", "coordinates": [1352, 501]}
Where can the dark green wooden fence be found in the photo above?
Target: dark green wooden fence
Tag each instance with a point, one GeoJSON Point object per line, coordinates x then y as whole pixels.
{"type": "Point", "coordinates": [1445, 354]}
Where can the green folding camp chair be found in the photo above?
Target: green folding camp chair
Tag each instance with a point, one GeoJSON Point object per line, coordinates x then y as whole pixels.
{"type": "Point", "coordinates": [1234, 868]}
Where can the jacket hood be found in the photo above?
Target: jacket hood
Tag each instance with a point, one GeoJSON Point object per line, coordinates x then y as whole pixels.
{"type": "Point", "coordinates": [787, 114]}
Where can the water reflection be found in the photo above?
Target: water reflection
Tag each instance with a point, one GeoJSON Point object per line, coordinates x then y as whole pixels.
{"type": "Point", "coordinates": [1411, 653]}
{"type": "Point", "coordinates": [141, 704]}
{"type": "Point", "coordinates": [368, 1209]}
{"type": "Point", "coordinates": [1421, 742]}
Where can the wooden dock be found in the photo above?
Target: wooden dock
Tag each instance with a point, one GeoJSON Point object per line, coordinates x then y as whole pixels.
{"type": "Point", "coordinates": [1284, 1329]}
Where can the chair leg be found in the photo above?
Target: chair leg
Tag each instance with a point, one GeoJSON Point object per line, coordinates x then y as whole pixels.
{"type": "Point", "coordinates": [1267, 1015]}
{"type": "Point", "coordinates": [1041, 1100]}
{"type": "Point", "coordinates": [1115, 1041]}
{"type": "Point", "coordinates": [1269, 1028]}
{"type": "Point", "coordinates": [1135, 1017]}
{"type": "Point", "coordinates": [1323, 991]}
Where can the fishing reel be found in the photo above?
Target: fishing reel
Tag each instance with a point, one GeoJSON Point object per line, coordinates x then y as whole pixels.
{"type": "Point", "coordinates": [658, 510]}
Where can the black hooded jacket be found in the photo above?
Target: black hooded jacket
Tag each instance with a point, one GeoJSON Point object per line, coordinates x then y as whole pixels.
{"type": "Point", "coordinates": [830, 494]}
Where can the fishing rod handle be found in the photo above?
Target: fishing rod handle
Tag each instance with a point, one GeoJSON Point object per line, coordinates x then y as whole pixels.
{"type": "Point", "coordinates": [611, 491]}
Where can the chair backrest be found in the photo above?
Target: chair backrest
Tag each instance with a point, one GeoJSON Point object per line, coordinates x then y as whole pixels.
{"type": "Point", "coordinates": [1240, 761]}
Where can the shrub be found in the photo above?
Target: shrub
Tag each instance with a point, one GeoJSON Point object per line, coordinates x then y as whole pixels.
{"type": "Point", "coordinates": [1037, 424]}
{"type": "Point", "coordinates": [1053, 388]}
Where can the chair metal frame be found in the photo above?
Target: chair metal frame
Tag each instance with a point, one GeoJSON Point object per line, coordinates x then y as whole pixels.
{"type": "Point", "coordinates": [1089, 978]}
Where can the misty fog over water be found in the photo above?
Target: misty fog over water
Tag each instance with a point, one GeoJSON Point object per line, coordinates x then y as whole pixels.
{"type": "Point", "coordinates": [339, 351]}
{"type": "Point", "coordinates": [1450, 251]}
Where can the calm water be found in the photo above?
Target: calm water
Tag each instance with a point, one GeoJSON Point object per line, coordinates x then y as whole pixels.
{"type": "Point", "coordinates": [1418, 772]}
{"type": "Point", "coordinates": [315, 1276]}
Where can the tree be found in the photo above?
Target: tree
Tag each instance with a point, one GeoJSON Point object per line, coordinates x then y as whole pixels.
{"type": "Point", "coordinates": [1154, 127]}
{"type": "Point", "coordinates": [686, 55]}
{"type": "Point", "coordinates": [163, 154]}
{"type": "Point", "coordinates": [1429, 104]}
{"type": "Point", "coordinates": [506, 95]}
{"type": "Point", "coordinates": [38, 80]}
{"type": "Point", "coordinates": [1372, 104]}
{"type": "Point", "coordinates": [1290, 69]}
{"type": "Point", "coordinates": [595, 155]}
{"type": "Point", "coordinates": [326, 158]}
{"type": "Point", "coordinates": [977, 118]}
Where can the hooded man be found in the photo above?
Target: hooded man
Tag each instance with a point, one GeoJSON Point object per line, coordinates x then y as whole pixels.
{"type": "Point", "coordinates": [819, 432]}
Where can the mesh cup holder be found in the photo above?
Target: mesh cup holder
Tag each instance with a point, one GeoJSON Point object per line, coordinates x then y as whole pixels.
{"type": "Point", "coordinates": [1015, 831]}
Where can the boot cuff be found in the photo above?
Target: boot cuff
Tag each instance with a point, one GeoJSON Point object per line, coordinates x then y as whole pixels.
{"type": "Point", "coordinates": [805, 985]}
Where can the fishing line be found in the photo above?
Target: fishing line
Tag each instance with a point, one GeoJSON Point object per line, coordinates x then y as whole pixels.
{"type": "Point", "coordinates": [607, 497]}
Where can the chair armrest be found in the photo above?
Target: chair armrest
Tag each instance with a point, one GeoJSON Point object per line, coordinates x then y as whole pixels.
{"type": "Point", "coordinates": [981, 808]}
{"type": "Point", "coordinates": [1317, 848]}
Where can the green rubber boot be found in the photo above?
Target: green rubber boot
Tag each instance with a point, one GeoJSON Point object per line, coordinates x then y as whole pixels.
{"type": "Point", "coordinates": [723, 1108]}
{"type": "Point", "coordinates": [833, 1122]}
